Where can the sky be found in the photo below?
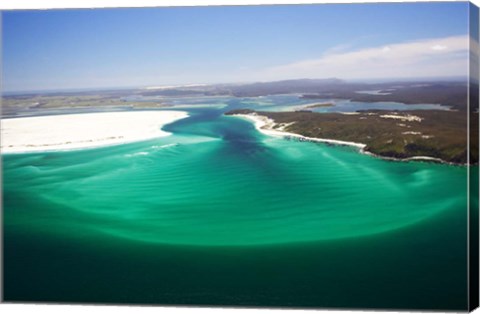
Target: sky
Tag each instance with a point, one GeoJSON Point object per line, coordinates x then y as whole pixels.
{"type": "Point", "coordinates": [99, 48]}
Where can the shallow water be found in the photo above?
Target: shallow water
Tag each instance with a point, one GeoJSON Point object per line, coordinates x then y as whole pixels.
{"type": "Point", "coordinates": [219, 213]}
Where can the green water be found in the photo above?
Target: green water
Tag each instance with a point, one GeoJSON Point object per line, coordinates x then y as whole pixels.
{"type": "Point", "coordinates": [219, 214]}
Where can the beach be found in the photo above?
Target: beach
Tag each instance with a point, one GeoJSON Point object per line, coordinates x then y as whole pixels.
{"type": "Point", "coordinates": [267, 126]}
{"type": "Point", "coordinates": [80, 131]}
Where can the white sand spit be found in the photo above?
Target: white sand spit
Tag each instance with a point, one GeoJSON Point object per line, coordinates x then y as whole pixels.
{"type": "Point", "coordinates": [76, 131]}
{"type": "Point", "coordinates": [412, 133]}
{"type": "Point", "coordinates": [408, 117]}
{"type": "Point", "coordinates": [266, 126]}
{"type": "Point", "coordinates": [426, 158]}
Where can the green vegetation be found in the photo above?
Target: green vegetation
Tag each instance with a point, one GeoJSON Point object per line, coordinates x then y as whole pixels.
{"type": "Point", "coordinates": [29, 103]}
{"type": "Point", "coordinates": [398, 134]}
{"type": "Point", "coordinates": [451, 93]}
{"type": "Point", "coordinates": [445, 93]}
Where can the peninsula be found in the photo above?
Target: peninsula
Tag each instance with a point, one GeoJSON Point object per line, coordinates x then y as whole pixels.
{"type": "Point", "coordinates": [434, 135]}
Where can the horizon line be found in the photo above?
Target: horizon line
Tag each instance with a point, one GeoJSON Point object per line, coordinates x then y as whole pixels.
{"type": "Point", "coordinates": [179, 85]}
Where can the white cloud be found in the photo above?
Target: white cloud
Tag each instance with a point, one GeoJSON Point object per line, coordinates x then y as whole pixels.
{"type": "Point", "coordinates": [425, 58]}
{"type": "Point", "coordinates": [439, 47]}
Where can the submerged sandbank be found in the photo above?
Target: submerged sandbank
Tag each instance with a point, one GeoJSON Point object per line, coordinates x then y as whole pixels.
{"type": "Point", "coordinates": [88, 130]}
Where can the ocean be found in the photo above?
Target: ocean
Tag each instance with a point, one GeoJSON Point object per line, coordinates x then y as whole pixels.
{"type": "Point", "coordinates": [221, 214]}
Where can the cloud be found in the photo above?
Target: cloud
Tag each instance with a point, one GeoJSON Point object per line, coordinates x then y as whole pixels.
{"type": "Point", "coordinates": [439, 47]}
{"type": "Point", "coordinates": [438, 57]}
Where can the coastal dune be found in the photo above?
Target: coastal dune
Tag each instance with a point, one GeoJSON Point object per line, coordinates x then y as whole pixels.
{"type": "Point", "coordinates": [88, 130]}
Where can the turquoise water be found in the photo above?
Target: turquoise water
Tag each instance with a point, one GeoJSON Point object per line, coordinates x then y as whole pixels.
{"type": "Point", "coordinates": [243, 218]}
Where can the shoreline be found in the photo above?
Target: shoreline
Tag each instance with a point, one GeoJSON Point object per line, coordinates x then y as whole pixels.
{"type": "Point", "coordinates": [67, 132]}
{"type": "Point", "coordinates": [266, 126]}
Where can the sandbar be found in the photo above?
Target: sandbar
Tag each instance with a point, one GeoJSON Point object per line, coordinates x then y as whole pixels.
{"type": "Point", "coordinates": [80, 131]}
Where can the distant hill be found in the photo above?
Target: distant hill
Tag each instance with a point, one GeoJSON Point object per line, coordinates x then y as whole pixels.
{"type": "Point", "coordinates": [285, 87]}
{"type": "Point", "coordinates": [449, 93]}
